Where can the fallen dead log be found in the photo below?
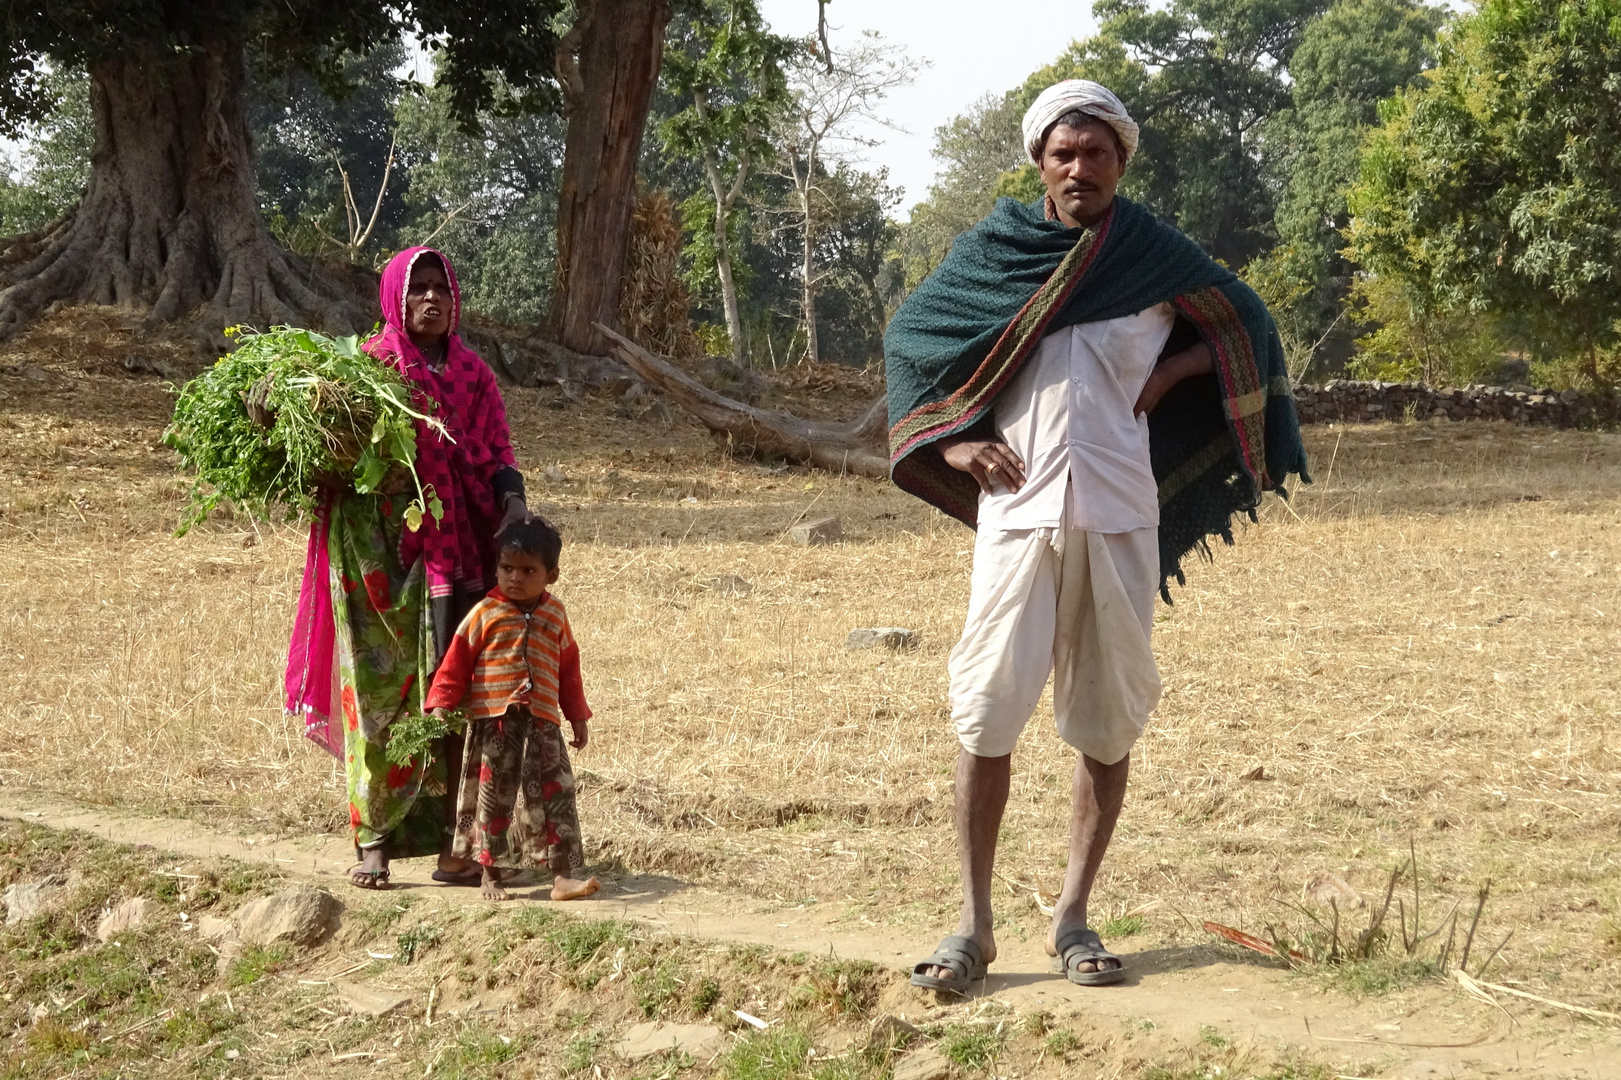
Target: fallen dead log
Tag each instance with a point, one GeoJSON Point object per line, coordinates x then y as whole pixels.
{"type": "Point", "coordinates": [859, 447]}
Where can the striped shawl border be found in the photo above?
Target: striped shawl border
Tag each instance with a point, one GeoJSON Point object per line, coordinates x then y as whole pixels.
{"type": "Point", "coordinates": [1244, 398]}
{"type": "Point", "coordinates": [934, 421]}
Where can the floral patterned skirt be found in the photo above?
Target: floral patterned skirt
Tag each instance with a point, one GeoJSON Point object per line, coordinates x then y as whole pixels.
{"type": "Point", "coordinates": [516, 806]}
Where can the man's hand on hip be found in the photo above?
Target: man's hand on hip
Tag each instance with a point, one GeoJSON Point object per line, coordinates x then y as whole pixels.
{"type": "Point", "coordinates": [987, 460]}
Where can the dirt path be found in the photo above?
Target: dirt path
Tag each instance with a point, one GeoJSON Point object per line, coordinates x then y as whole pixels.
{"type": "Point", "coordinates": [1190, 992]}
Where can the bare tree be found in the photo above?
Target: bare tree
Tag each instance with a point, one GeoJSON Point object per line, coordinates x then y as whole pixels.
{"type": "Point", "coordinates": [834, 106]}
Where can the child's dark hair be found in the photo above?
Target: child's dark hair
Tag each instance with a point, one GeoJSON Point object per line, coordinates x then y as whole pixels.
{"type": "Point", "coordinates": [534, 538]}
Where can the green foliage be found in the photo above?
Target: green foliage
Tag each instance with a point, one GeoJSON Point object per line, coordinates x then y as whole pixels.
{"type": "Point", "coordinates": [1355, 54]}
{"type": "Point", "coordinates": [410, 736]}
{"type": "Point", "coordinates": [1408, 341]}
{"type": "Point", "coordinates": [56, 157]}
{"type": "Point", "coordinates": [1491, 187]}
{"type": "Point", "coordinates": [338, 414]}
{"type": "Point", "coordinates": [499, 55]}
{"type": "Point", "coordinates": [487, 199]}
{"type": "Point", "coordinates": [706, 996]}
{"type": "Point", "coordinates": [581, 941]}
{"type": "Point", "coordinates": [303, 136]}
{"type": "Point", "coordinates": [1202, 79]}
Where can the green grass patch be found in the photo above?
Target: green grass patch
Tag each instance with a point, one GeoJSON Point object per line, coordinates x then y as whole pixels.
{"type": "Point", "coordinates": [971, 1046]}
{"type": "Point", "coordinates": [580, 1053]}
{"type": "Point", "coordinates": [378, 916]}
{"type": "Point", "coordinates": [1061, 1043]}
{"type": "Point", "coordinates": [411, 944]}
{"type": "Point", "coordinates": [840, 987]}
{"type": "Point", "coordinates": [659, 987]}
{"type": "Point", "coordinates": [255, 963]}
{"type": "Point", "coordinates": [706, 996]}
{"type": "Point", "coordinates": [1377, 975]}
{"type": "Point", "coordinates": [783, 1053]}
{"type": "Point", "coordinates": [1118, 926]}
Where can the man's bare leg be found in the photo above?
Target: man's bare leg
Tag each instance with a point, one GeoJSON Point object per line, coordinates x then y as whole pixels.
{"type": "Point", "coordinates": [1097, 794]}
{"type": "Point", "coordinates": [981, 796]}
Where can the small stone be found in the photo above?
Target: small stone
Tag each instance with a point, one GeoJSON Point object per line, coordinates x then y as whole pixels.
{"type": "Point", "coordinates": [923, 1065]}
{"type": "Point", "coordinates": [890, 637]}
{"type": "Point", "coordinates": [702, 1041]}
{"type": "Point", "coordinates": [889, 1031]}
{"type": "Point", "coordinates": [727, 585]}
{"type": "Point", "coordinates": [232, 1055]}
{"type": "Point", "coordinates": [836, 1043]}
{"type": "Point", "coordinates": [554, 474]}
{"type": "Point", "coordinates": [24, 900]}
{"type": "Point", "coordinates": [126, 916]}
{"type": "Point", "coordinates": [300, 916]}
{"type": "Point", "coordinates": [369, 1000]}
{"type": "Point", "coordinates": [821, 531]}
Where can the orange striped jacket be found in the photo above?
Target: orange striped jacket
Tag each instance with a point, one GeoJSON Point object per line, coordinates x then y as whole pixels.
{"type": "Point", "coordinates": [503, 656]}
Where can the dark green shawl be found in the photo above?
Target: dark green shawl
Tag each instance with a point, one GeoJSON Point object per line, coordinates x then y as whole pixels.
{"type": "Point", "coordinates": [1216, 441]}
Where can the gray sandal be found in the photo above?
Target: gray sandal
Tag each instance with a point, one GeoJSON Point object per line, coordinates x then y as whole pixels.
{"type": "Point", "coordinates": [1079, 946]}
{"type": "Point", "coordinates": [959, 955]}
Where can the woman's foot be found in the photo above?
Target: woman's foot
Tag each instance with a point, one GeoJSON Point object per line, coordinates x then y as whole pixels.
{"type": "Point", "coordinates": [490, 887]}
{"type": "Point", "coordinates": [567, 888]}
{"type": "Point", "coordinates": [372, 873]}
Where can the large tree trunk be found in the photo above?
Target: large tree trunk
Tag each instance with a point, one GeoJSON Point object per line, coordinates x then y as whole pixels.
{"type": "Point", "coordinates": [609, 91]}
{"type": "Point", "coordinates": [169, 220]}
{"type": "Point", "coordinates": [860, 446]}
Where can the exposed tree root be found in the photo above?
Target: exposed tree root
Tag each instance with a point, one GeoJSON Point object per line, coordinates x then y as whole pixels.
{"type": "Point", "coordinates": [169, 223]}
{"type": "Point", "coordinates": [860, 446]}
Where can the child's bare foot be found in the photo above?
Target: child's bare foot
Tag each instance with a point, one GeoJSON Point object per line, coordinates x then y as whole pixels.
{"type": "Point", "coordinates": [489, 887]}
{"type": "Point", "coordinates": [566, 888]}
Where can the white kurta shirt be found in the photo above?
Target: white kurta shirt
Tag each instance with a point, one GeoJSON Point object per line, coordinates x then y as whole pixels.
{"type": "Point", "coordinates": [1068, 416]}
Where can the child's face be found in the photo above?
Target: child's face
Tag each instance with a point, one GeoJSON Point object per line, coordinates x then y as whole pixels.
{"type": "Point", "coordinates": [523, 577]}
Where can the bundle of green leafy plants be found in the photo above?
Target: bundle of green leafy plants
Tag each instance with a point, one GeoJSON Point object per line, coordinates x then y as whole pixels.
{"type": "Point", "coordinates": [409, 736]}
{"type": "Point", "coordinates": [289, 412]}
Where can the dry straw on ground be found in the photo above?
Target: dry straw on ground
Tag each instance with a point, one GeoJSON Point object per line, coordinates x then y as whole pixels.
{"type": "Point", "coordinates": [1421, 645]}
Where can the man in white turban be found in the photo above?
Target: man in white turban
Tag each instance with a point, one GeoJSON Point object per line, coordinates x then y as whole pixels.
{"type": "Point", "coordinates": [1021, 379]}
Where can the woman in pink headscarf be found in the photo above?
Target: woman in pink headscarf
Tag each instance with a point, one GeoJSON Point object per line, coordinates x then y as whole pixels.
{"type": "Point", "coordinates": [380, 602]}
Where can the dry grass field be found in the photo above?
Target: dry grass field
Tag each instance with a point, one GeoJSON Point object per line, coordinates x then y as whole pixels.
{"type": "Point", "coordinates": [1419, 649]}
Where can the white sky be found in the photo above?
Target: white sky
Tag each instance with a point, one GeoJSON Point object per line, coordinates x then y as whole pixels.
{"type": "Point", "coordinates": [973, 48]}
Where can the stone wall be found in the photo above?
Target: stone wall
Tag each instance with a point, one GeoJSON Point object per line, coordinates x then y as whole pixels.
{"type": "Point", "coordinates": [1343, 401]}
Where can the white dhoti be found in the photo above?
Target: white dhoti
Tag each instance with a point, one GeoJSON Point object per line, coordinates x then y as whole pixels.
{"type": "Point", "coordinates": [1067, 601]}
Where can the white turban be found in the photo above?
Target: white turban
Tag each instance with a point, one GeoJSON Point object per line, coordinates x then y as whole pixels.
{"type": "Point", "coordinates": [1073, 95]}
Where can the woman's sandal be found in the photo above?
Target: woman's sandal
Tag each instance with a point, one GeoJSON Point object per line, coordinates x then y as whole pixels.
{"type": "Point", "coordinates": [368, 879]}
{"type": "Point", "coordinates": [957, 954]}
{"type": "Point", "coordinates": [1079, 946]}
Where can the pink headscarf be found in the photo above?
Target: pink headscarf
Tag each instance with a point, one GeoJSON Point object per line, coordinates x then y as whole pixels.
{"type": "Point", "coordinates": [466, 399]}
{"type": "Point", "coordinates": [458, 549]}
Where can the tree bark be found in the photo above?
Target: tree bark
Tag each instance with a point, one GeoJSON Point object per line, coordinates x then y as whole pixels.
{"type": "Point", "coordinates": [860, 446]}
{"type": "Point", "coordinates": [724, 199]}
{"type": "Point", "coordinates": [813, 349]}
{"type": "Point", "coordinates": [169, 220]}
{"type": "Point", "coordinates": [618, 68]}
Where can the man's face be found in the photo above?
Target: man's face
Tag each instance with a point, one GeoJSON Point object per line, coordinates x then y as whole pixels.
{"type": "Point", "coordinates": [1081, 168]}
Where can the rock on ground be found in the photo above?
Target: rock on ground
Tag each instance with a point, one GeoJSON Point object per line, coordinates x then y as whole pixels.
{"type": "Point", "coordinates": [126, 916]}
{"type": "Point", "coordinates": [890, 637]}
{"type": "Point", "coordinates": [298, 916]}
{"type": "Point", "coordinates": [26, 899]}
{"type": "Point", "coordinates": [821, 531]}
{"type": "Point", "coordinates": [922, 1065]}
{"type": "Point", "coordinates": [369, 1000]}
{"type": "Point", "coordinates": [702, 1041]}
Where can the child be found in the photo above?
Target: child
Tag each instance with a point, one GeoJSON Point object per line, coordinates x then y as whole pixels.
{"type": "Point", "coordinates": [514, 662]}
